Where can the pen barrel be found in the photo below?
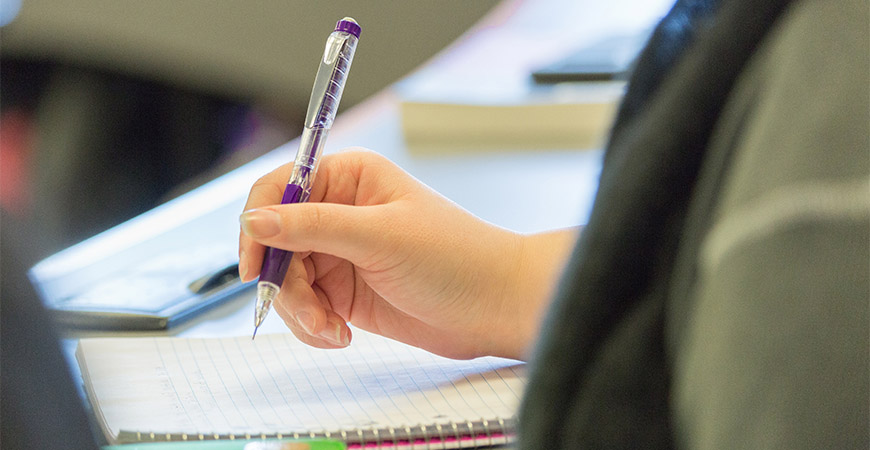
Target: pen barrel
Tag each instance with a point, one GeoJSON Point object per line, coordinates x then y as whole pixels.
{"type": "Point", "coordinates": [330, 80]}
{"type": "Point", "coordinates": [298, 189]}
{"type": "Point", "coordinates": [307, 160]}
{"type": "Point", "coordinates": [322, 108]}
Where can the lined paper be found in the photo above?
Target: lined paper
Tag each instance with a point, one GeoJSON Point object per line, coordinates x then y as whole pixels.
{"type": "Point", "coordinates": [275, 385]}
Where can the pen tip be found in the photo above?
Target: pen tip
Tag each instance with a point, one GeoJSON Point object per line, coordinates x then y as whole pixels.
{"type": "Point", "coordinates": [255, 332]}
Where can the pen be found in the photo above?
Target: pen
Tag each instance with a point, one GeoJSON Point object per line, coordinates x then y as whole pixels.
{"type": "Point", "coordinates": [328, 86]}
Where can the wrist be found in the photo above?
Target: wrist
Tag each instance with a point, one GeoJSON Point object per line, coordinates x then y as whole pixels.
{"type": "Point", "coordinates": [532, 273]}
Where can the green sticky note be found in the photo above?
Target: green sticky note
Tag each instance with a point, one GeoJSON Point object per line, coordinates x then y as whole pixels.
{"type": "Point", "coordinates": [237, 444]}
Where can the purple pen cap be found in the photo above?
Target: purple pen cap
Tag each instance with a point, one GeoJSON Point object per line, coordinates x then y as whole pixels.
{"type": "Point", "coordinates": [348, 25]}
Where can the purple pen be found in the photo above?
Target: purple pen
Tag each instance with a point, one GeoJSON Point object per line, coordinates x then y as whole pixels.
{"type": "Point", "coordinates": [322, 107]}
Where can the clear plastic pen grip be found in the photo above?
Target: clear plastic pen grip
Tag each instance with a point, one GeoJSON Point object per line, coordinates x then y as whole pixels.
{"type": "Point", "coordinates": [305, 166]}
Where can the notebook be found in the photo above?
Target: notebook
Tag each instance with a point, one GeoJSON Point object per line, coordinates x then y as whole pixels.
{"type": "Point", "coordinates": [377, 393]}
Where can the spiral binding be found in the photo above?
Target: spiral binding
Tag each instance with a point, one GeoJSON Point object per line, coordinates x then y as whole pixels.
{"type": "Point", "coordinates": [444, 435]}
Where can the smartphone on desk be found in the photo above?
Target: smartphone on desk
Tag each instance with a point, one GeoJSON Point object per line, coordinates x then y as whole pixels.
{"type": "Point", "coordinates": [150, 293]}
{"type": "Point", "coordinates": [152, 271]}
{"type": "Point", "coordinates": [606, 60]}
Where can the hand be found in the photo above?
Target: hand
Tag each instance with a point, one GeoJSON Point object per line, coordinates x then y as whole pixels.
{"type": "Point", "coordinates": [377, 248]}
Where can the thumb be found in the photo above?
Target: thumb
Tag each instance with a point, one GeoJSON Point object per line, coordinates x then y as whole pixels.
{"type": "Point", "coordinates": [349, 232]}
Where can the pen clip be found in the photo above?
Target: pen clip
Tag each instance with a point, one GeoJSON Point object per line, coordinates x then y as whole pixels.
{"type": "Point", "coordinates": [333, 47]}
{"type": "Point", "coordinates": [330, 79]}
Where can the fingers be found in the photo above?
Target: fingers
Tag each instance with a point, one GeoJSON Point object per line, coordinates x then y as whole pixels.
{"type": "Point", "coordinates": [320, 342]}
{"type": "Point", "coordinates": [266, 191]}
{"type": "Point", "coordinates": [346, 217]}
{"type": "Point", "coordinates": [338, 181]}
{"type": "Point", "coordinates": [335, 335]}
{"type": "Point", "coordinates": [349, 232]}
{"type": "Point", "coordinates": [306, 312]}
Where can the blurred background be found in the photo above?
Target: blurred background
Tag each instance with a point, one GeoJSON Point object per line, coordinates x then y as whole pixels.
{"type": "Point", "coordinates": [108, 108]}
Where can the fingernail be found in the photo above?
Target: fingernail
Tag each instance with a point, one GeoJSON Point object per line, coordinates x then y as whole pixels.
{"type": "Point", "coordinates": [260, 223]}
{"type": "Point", "coordinates": [243, 266]}
{"type": "Point", "coordinates": [306, 321]}
{"type": "Point", "coordinates": [335, 333]}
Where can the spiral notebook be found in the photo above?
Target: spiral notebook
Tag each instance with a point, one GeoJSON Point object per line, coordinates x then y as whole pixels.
{"type": "Point", "coordinates": [377, 393]}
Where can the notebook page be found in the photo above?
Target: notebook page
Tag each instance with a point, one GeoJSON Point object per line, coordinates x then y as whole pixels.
{"type": "Point", "coordinates": [275, 384]}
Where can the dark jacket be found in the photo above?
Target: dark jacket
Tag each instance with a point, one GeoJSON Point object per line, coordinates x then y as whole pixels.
{"type": "Point", "coordinates": [718, 297]}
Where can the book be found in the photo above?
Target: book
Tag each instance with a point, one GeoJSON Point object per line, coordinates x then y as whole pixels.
{"type": "Point", "coordinates": [376, 393]}
{"type": "Point", "coordinates": [482, 94]}
{"type": "Point", "coordinates": [565, 116]}
{"type": "Point", "coordinates": [459, 103]}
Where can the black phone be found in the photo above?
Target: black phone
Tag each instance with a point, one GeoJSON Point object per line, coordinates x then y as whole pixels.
{"type": "Point", "coordinates": [609, 59]}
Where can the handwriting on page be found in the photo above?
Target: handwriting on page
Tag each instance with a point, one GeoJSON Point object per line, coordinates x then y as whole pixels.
{"type": "Point", "coordinates": [278, 385]}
